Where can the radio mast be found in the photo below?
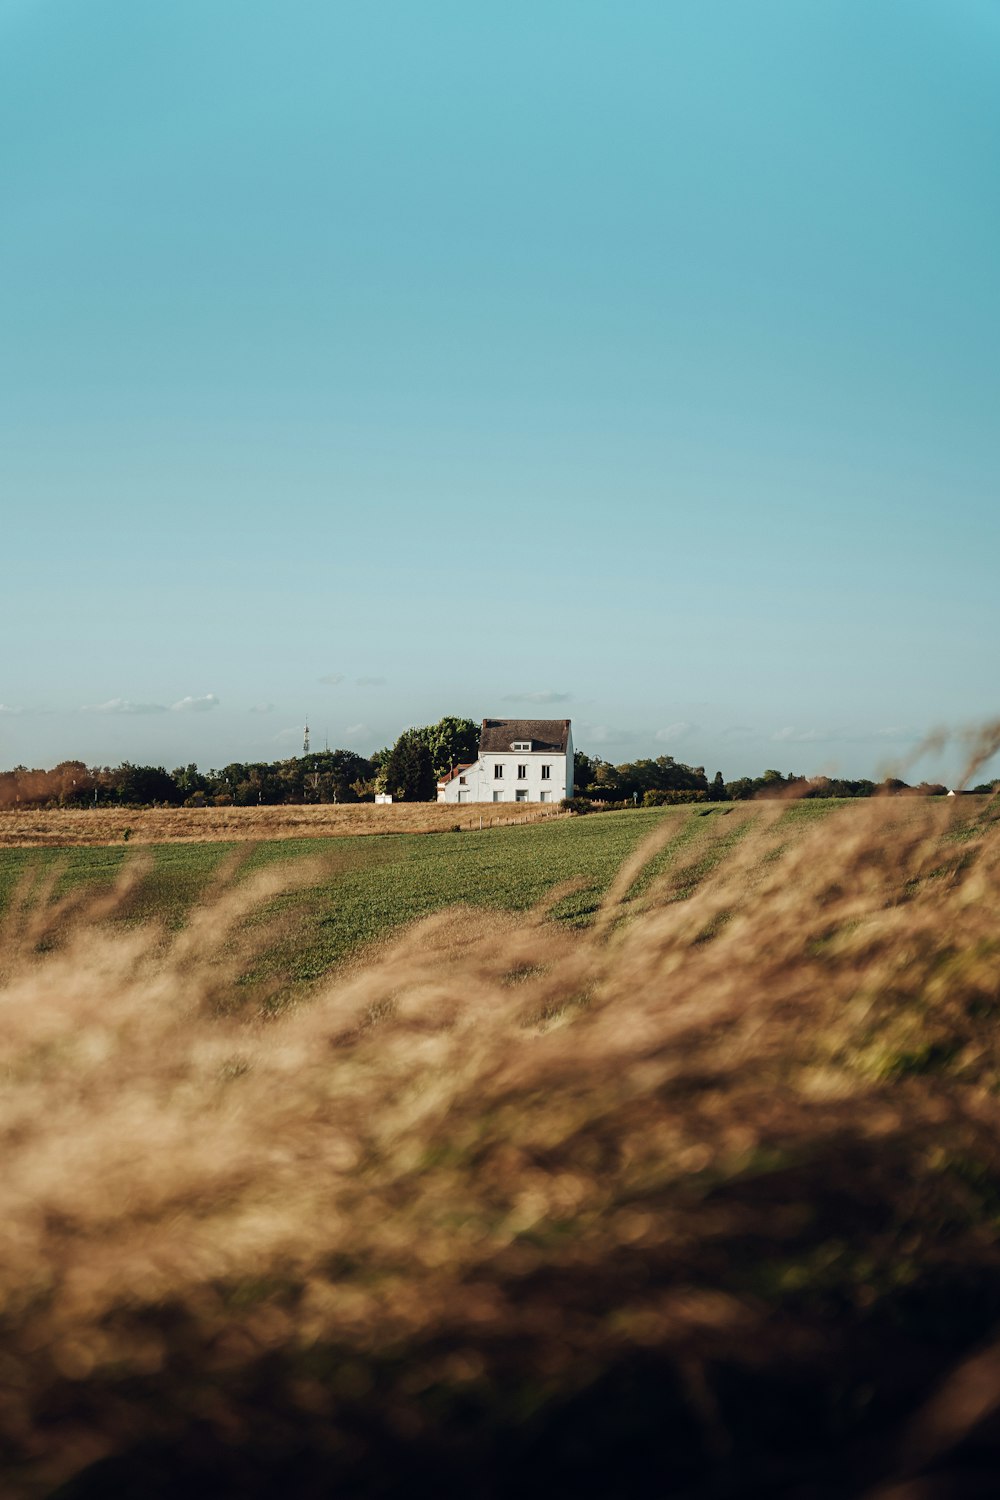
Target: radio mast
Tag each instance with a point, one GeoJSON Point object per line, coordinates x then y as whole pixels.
{"type": "Point", "coordinates": [305, 741]}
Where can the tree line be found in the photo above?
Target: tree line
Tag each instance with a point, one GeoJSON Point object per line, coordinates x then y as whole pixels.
{"type": "Point", "coordinates": [664, 780]}
{"type": "Point", "coordinates": [408, 771]}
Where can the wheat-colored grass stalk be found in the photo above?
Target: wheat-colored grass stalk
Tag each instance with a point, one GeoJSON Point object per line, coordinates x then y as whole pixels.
{"type": "Point", "coordinates": [721, 1140]}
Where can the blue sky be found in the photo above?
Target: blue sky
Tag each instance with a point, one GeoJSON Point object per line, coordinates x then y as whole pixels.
{"type": "Point", "coordinates": [636, 364]}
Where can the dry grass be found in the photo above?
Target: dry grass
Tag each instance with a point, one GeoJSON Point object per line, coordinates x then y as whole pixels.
{"type": "Point", "coordinates": [702, 1201]}
{"type": "Point", "coordinates": [193, 825]}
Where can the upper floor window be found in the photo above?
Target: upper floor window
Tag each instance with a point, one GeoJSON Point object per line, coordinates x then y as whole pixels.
{"type": "Point", "coordinates": [546, 773]}
{"type": "Point", "coordinates": [521, 745]}
{"type": "Point", "coordinates": [522, 773]}
{"type": "Point", "coordinates": [461, 781]}
{"type": "Point", "coordinates": [497, 772]}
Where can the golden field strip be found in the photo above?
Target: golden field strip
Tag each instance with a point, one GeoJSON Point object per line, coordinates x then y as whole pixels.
{"type": "Point", "coordinates": [65, 827]}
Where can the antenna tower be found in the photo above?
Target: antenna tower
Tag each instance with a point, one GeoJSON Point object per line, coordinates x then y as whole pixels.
{"type": "Point", "coordinates": [305, 741]}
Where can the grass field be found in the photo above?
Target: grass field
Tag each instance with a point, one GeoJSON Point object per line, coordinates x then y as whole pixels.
{"type": "Point", "coordinates": [684, 1181]}
{"type": "Point", "coordinates": [362, 889]}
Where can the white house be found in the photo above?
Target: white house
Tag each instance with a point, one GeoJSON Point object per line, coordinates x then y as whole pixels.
{"type": "Point", "coordinates": [520, 760]}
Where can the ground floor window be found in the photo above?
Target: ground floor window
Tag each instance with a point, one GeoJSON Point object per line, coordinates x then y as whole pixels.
{"type": "Point", "coordinates": [546, 796]}
{"type": "Point", "coordinates": [498, 796]}
{"type": "Point", "coordinates": [521, 795]}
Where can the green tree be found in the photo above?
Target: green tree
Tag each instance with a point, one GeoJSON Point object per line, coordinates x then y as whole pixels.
{"type": "Point", "coordinates": [740, 790]}
{"type": "Point", "coordinates": [189, 780]}
{"type": "Point", "coordinates": [451, 742]}
{"type": "Point", "coordinates": [637, 777]}
{"type": "Point", "coordinates": [409, 770]}
{"type": "Point", "coordinates": [141, 785]}
{"type": "Point", "coordinates": [72, 782]}
{"type": "Point", "coordinates": [717, 791]}
{"type": "Point", "coordinates": [379, 762]}
{"type": "Point", "coordinates": [604, 782]}
{"type": "Point", "coordinates": [331, 775]}
{"type": "Point", "coordinates": [583, 772]}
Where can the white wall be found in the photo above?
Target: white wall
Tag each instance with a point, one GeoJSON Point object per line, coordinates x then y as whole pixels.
{"type": "Point", "coordinates": [481, 782]}
{"type": "Point", "coordinates": [455, 792]}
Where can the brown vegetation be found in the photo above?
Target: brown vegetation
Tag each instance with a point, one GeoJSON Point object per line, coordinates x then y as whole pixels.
{"type": "Point", "coordinates": [703, 1200]}
{"type": "Point", "coordinates": [59, 827]}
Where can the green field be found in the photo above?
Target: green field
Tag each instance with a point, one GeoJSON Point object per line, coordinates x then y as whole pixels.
{"type": "Point", "coordinates": [368, 887]}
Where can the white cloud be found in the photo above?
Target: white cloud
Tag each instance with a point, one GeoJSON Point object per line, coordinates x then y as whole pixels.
{"type": "Point", "coordinates": [353, 729]}
{"type": "Point", "coordinates": [682, 730]}
{"type": "Point", "coordinates": [793, 736]}
{"type": "Point", "coordinates": [332, 679]}
{"type": "Point", "coordinates": [261, 708]}
{"type": "Point", "coordinates": [369, 682]}
{"type": "Point", "coordinates": [894, 734]}
{"type": "Point", "coordinates": [604, 734]}
{"type": "Point", "coordinates": [199, 705]}
{"type": "Point", "coordinates": [546, 696]}
{"type": "Point", "coordinates": [286, 736]}
{"type": "Point", "coordinates": [5, 708]}
{"type": "Point", "coordinates": [123, 706]}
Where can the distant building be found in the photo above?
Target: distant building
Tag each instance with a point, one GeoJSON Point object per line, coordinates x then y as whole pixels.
{"type": "Point", "coordinates": [520, 760]}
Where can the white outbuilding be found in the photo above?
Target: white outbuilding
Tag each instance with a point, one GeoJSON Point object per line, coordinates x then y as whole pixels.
{"type": "Point", "coordinates": [520, 760]}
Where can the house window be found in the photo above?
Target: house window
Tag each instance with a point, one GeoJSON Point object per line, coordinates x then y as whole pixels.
{"type": "Point", "coordinates": [498, 796]}
{"type": "Point", "coordinates": [461, 781]}
{"type": "Point", "coordinates": [543, 796]}
{"type": "Point", "coordinates": [497, 773]}
{"type": "Point", "coordinates": [521, 745]}
{"type": "Point", "coordinates": [546, 773]}
{"type": "Point", "coordinates": [522, 773]}
{"type": "Point", "coordinates": [521, 794]}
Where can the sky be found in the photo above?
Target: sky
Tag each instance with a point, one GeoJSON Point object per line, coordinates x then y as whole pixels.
{"type": "Point", "coordinates": [367, 363]}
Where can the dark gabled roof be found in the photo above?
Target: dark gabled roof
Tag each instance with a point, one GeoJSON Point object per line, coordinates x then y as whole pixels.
{"type": "Point", "coordinates": [547, 735]}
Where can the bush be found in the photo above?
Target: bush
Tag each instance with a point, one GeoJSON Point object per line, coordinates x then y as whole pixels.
{"type": "Point", "coordinates": [659, 798]}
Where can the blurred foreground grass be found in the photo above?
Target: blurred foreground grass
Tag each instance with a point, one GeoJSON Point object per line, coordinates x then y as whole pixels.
{"type": "Point", "coordinates": [698, 1198]}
